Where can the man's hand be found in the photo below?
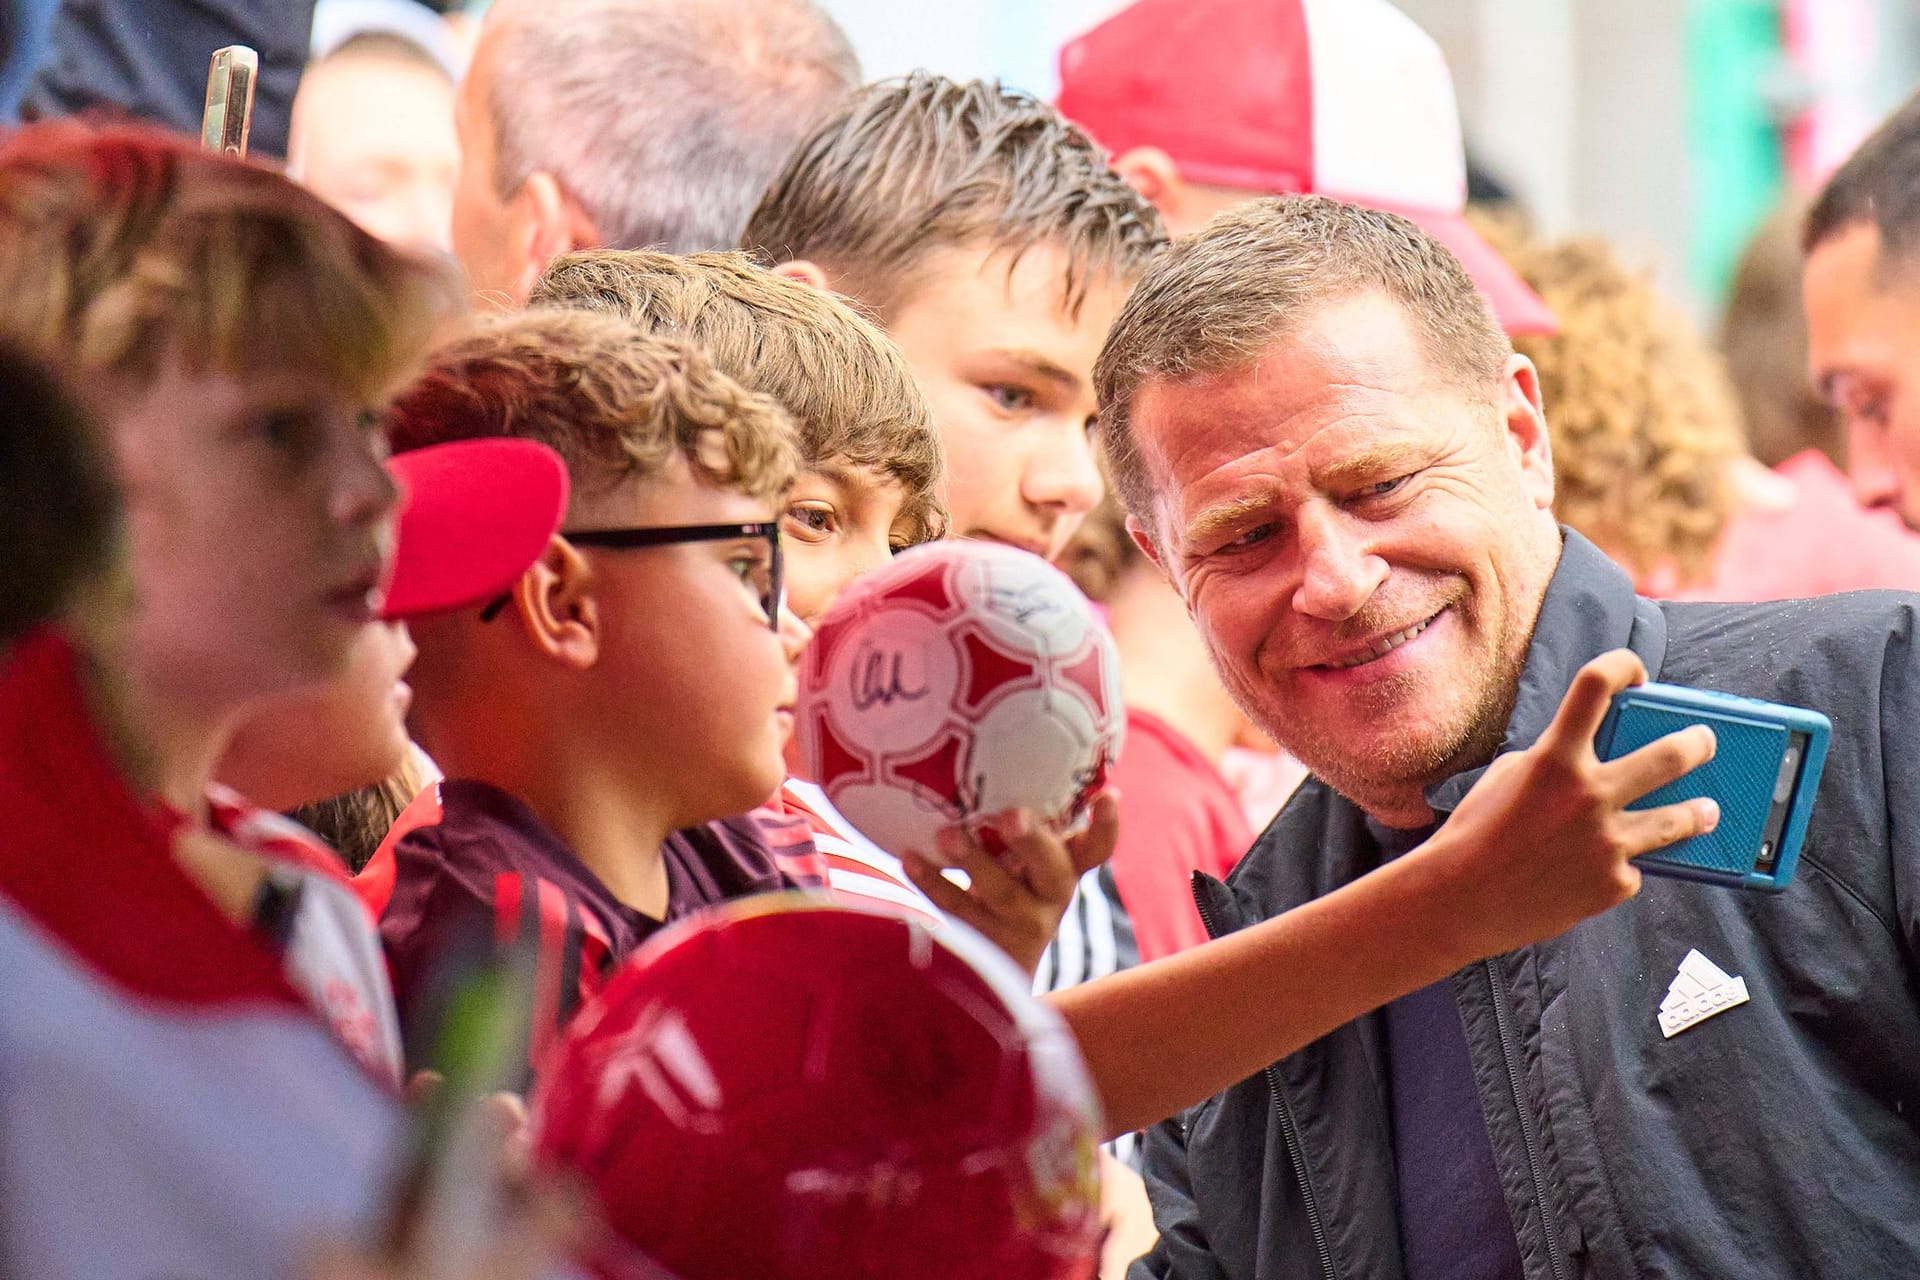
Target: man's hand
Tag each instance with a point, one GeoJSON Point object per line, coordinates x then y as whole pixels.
{"type": "Point", "coordinates": [1544, 838]}
{"type": "Point", "coordinates": [1016, 897]}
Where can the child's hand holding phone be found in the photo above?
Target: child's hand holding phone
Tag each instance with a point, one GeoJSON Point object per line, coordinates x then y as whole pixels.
{"type": "Point", "coordinates": [1546, 838]}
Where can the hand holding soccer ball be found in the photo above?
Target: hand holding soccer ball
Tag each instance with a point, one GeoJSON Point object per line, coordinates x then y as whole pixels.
{"type": "Point", "coordinates": [961, 681]}
{"type": "Point", "coordinates": [1017, 888]}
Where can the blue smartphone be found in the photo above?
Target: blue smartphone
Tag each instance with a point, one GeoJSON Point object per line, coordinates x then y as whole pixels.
{"type": "Point", "coordinates": [1764, 774]}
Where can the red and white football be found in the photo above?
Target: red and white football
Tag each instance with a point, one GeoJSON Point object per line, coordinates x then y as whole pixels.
{"type": "Point", "coordinates": [962, 679]}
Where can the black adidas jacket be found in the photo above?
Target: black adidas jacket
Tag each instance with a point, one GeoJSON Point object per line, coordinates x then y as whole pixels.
{"type": "Point", "coordinates": [1780, 1138]}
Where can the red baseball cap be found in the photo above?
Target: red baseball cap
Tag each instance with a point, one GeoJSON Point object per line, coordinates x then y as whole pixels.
{"type": "Point", "coordinates": [477, 514]}
{"type": "Point", "coordinates": [1341, 98]}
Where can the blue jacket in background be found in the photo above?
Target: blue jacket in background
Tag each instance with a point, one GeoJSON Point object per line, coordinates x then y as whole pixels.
{"type": "Point", "coordinates": [148, 59]}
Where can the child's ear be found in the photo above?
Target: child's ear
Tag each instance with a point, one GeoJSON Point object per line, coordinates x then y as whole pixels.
{"type": "Point", "coordinates": [557, 606]}
{"type": "Point", "coordinates": [805, 272]}
{"type": "Point", "coordinates": [548, 223]}
{"type": "Point", "coordinates": [1151, 172]}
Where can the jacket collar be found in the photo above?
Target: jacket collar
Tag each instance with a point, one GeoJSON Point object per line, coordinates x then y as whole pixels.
{"type": "Point", "coordinates": [1589, 608]}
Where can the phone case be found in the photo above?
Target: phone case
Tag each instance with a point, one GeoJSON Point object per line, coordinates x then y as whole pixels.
{"type": "Point", "coordinates": [1748, 772]}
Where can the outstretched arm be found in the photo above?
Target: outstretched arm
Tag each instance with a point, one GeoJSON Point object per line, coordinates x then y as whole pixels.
{"type": "Point", "coordinates": [1542, 842]}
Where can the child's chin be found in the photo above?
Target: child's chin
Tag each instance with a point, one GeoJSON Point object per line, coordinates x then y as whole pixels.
{"type": "Point", "coordinates": [759, 783]}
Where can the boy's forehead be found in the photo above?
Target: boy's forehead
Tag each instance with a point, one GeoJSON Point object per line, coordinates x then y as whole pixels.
{"type": "Point", "coordinates": [1030, 302]}
{"type": "Point", "coordinates": [852, 476]}
{"type": "Point", "coordinates": [671, 496]}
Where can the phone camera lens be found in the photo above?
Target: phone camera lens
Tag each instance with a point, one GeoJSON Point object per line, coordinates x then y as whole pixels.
{"type": "Point", "coordinates": [1789, 765]}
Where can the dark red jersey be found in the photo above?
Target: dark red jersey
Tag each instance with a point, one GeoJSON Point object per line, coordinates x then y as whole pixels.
{"type": "Point", "coordinates": [488, 870]}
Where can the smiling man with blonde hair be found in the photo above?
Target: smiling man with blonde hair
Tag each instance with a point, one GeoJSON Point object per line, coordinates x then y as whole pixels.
{"type": "Point", "coordinates": [1330, 449]}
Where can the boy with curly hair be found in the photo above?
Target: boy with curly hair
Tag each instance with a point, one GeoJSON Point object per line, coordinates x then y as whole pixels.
{"type": "Point", "coordinates": [636, 683]}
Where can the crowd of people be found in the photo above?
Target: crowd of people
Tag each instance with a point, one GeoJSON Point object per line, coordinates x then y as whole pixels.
{"type": "Point", "coordinates": [415, 527]}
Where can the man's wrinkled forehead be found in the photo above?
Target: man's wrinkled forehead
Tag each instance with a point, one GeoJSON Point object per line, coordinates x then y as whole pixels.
{"type": "Point", "coordinates": [1355, 344]}
{"type": "Point", "coordinates": [1357, 365]}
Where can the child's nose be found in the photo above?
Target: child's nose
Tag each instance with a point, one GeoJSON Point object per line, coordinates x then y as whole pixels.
{"type": "Point", "coordinates": [794, 634]}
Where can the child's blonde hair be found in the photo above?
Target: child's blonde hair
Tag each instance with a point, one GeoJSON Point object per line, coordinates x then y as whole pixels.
{"type": "Point", "coordinates": [121, 247]}
{"type": "Point", "coordinates": [851, 393]}
{"type": "Point", "coordinates": [617, 403]}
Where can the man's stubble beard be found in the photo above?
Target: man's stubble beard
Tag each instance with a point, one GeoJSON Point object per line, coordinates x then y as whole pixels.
{"type": "Point", "coordinates": [1390, 782]}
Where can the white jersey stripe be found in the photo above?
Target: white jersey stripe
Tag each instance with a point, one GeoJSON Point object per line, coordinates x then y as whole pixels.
{"type": "Point", "coordinates": [856, 884]}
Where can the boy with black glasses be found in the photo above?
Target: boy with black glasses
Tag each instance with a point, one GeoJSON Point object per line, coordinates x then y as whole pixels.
{"type": "Point", "coordinates": [636, 683]}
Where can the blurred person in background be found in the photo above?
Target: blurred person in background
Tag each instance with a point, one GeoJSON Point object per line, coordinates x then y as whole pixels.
{"type": "Point", "coordinates": [1763, 334]}
{"type": "Point", "coordinates": [148, 59]}
{"type": "Point", "coordinates": [190, 978]}
{"type": "Point", "coordinates": [1206, 104]}
{"type": "Point", "coordinates": [1643, 423]}
{"type": "Point", "coordinates": [1863, 310]}
{"type": "Point", "coordinates": [630, 124]}
{"type": "Point", "coordinates": [1649, 458]}
{"type": "Point", "coordinates": [373, 136]}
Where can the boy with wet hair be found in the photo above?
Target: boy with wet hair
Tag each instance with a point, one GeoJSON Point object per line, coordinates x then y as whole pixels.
{"type": "Point", "coordinates": [988, 237]}
{"type": "Point", "coordinates": [993, 244]}
{"type": "Point", "coordinates": [636, 683]}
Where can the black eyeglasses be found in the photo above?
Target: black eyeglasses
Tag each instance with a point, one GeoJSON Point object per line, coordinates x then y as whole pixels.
{"type": "Point", "coordinates": [769, 579]}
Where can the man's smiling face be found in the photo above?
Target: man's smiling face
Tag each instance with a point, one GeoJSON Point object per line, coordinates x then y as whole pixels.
{"type": "Point", "coordinates": [1363, 544]}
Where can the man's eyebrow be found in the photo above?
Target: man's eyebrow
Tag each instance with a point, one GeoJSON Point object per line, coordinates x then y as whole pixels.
{"type": "Point", "coordinates": [1395, 458]}
{"type": "Point", "coordinates": [1211, 521]}
{"type": "Point", "coordinates": [1040, 366]}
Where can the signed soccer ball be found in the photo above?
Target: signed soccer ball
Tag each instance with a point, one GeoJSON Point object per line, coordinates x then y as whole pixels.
{"type": "Point", "coordinates": [960, 680]}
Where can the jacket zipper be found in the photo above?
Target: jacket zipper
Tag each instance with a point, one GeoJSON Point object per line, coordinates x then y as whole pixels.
{"type": "Point", "coordinates": [1289, 1133]}
{"type": "Point", "coordinates": [1511, 1056]}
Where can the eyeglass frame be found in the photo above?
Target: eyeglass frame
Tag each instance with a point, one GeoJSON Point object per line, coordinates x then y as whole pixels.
{"type": "Point", "coordinates": [664, 535]}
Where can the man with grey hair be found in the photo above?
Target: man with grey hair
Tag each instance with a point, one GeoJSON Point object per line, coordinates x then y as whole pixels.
{"type": "Point", "coordinates": [1332, 452]}
{"type": "Point", "coordinates": [630, 124]}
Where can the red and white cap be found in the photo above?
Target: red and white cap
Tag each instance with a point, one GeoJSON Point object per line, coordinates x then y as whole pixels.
{"type": "Point", "coordinates": [1341, 98]}
{"type": "Point", "coordinates": [477, 514]}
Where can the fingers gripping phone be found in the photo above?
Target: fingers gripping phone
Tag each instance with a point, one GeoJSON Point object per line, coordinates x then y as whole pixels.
{"type": "Point", "coordinates": [228, 116]}
{"type": "Point", "coordinates": [1764, 773]}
